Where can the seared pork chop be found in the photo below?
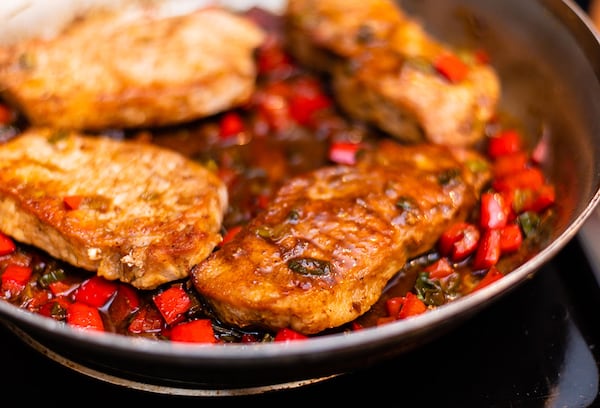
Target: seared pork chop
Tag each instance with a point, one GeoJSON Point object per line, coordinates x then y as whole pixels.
{"type": "Point", "coordinates": [383, 67]}
{"type": "Point", "coordinates": [146, 214]}
{"type": "Point", "coordinates": [321, 254]}
{"type": "Point", "coordinates": [112, 70]}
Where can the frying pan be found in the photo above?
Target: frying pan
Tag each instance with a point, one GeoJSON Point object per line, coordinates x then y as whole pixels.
{"type": "Point", "coordinates": [548, 58]}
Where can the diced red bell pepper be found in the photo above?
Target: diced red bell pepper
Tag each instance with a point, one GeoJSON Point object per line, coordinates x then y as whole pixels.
{"type": "Point", "coordinates": [195, 331]}
{"type": "Point", "coordinates": [84, 316]}
{"type": "Point", "coordinates": [303, 107]}
{"type": "Point", "coordinates": [459, 241]}
{"type": "Point", "coordinates": [172, 303]}
{"type": "Point", "coordinates": [72, 202]}
{"type": "Point", "coordinates": [55, 308]}
{"type": "Point", "coordinates": [6, 116]}
{"type": "Point", "coordinates": [95, 291]}
{"type": "Point", "coordinates": [146, 320]}
{"type": "Point", "coordinates": [231, 232]}
{"type": "Point", "coordinates": [504, 142]}
{"type": "Point", "coordinates": [538, 200]}
{"type": "Point", "coordinates": [488, 252]}
{"type": "Point", "coordinates": [38, 298]}
{"type": "Point", "coordinates": [510, 163]}
{"type": "Point", "coordinates": [491, 276]}
{"type": "Point", "coordinates": [393, 305]}
{"type": "Point", "coordinates": [271, 57]}
{"type": "Point", "coordinates": [7, 245]}
{"type": "Point", "coordinates": [287, 334]}
{"type": "Point", "coordinates": [494, 211]}
{"type": "Point", "coordinates": [451, 67]}
{"type": "Point", "coordinates": [356, 326]}
{"type": "Point", "coordinates": [532, 178]}
{"type": "Point", "coordinates": [412, 306]}
{"type": "Point", "coordinates": [440, 268]}
{"type": "Point", "coordinates": [61, 287]}
{"type": "Point", "coordinates": [273, 110]}
{"type": "Point", "coordinates": [231, 124]}
{"type": "Point", "coordinates": [344, 152]}
{"type": "Point", "coordinates": [125, 303]}
{"type": "Point", "coordinates": [15, 278]}
{"type": "Point", "coordinates": [511, 238]}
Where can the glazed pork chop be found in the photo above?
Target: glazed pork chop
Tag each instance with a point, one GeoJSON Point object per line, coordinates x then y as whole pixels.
{"type": "Point", "coordinates": [321, 254]}
{"type": "Point", "coordinates": [383, 68]}
{"type": "Point", "coordinates": [128, 210]}
{"type": "Point", "coordinates": [123, 70]}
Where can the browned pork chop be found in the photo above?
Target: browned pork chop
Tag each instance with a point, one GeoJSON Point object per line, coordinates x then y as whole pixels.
{"type": "Point", "coordinates": [147, 213]}
{"type": "Point", "coordinates": [321, 254]}
{"type": "Point", "coordinates": [113, 70]}
{"type": "Point", "coordinates": [382, 66]}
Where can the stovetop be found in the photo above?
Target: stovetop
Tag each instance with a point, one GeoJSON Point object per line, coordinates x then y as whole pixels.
{"type": "Point", "coordinates": [535, 347]}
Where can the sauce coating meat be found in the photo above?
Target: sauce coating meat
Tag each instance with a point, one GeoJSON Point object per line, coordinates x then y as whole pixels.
{"type": "Point", "coordinates": [321, 253]}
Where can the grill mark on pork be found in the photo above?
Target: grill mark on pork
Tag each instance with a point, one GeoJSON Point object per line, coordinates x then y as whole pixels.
{"type": "Point", "coordinates": [322, 252]}
{"type": "Point", "coordinates": [380, 62]}
{"type": "Point", "coordinates": [148, 214]}
{"type": "Point", "coordinates": [115, 70]}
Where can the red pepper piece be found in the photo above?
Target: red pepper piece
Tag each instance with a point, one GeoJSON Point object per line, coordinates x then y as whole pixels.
{"type": "Point", "coordinates": [459, 241]}
{"type": "Point", "coordinates": [440, 269]}
{"type": "Point", "coordinates": [344, 152]}
{"type": "Point", "coordinates": [532, 178]}
{"type": "Point", "coordinates": [505, 142]}
{"type": "Point", "coordinates": [55, 308]}
{"type": "Point", "coordinates": [488, 252]}
{"type": "Point", "coordinates": [15, 278]}
{"type": "Point", "coordinates": [491, 276]}
{"type": "Point", "coordinates": [196, 331]}
{"type": "Point", "coordinates": [6, 115]}
{"type": "Point", "coordinates": [287, 334]}
{"type": "Point", "coordinates": [510, 163]}
{"type": "Point", "coordinates": [231, 124]}
{"type": "Point", "coordinates": [146, 320]}
{"type": "Point", "coordinates": [232, 232]}
{"type": "Point", "coordinates": [61, 287]}
{"type": "Point", "coordinates": [412, 306]}
{"type": "Point", "coordinates": [125, 303]}
{"type": "Point", "coordinates": [95, 291]}
{"type": "Point", "coordinates": [303, 107]}
{"type": "Point", "coordinates": [172, 303]}
{"type": "Point", "coordinates": [73, 202]}
{"type": "Point", "coordinates": [84, 316]}
{"type": "Point", "coordinates": [7, 245]}
{"type": "Point", "coordinates": [540, 199]}
{"type": "Point", "coordinates": [511, 238]}
{"type": "Point", "coordinates": [494, 211]}
{"type": "Point", "coordinates": [393, 305]}
{"type": "Point", "coordinates": [451, 67]}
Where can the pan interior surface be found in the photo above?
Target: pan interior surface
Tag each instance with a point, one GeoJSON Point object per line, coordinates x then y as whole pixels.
{"type": "Point", "coordinates": [548, 58]}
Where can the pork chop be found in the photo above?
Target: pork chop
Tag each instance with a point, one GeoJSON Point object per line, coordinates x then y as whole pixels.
{"type": "Point", "coordinates": [145, 214]}
{"type": "Point", "coordinates": [321, 254]}
{"type": "Point", "coordinates": [384, 69]}
{"type": "Point", "coordinates": [124, 70]}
